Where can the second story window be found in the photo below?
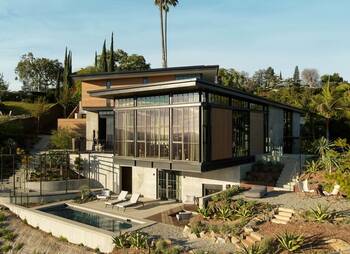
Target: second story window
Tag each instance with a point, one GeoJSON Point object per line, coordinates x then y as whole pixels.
{"type": "Point", "coordinates": [124, 103]}
{"type": "Point", "coordinates": [153, 101]}
{"type": "Point", "coordinates": [185, 98]}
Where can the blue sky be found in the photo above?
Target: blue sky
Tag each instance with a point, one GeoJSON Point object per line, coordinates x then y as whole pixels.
{"type": "Point", "coordinates": [243, 34]}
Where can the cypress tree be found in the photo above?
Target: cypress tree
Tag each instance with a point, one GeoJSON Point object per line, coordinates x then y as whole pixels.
{"type": "Point", "coordinates": [111, 65]}
{"type": "Point", "coordinates": [104, 66]}
{"type": "Point", "coordinates": [65, 70]}
{"type": "Point", "coordinates": [96, 62]}
{"type": "Point", "coordinates": [296, 76]}
{"type": "Point", "coordinates": [281, 76]}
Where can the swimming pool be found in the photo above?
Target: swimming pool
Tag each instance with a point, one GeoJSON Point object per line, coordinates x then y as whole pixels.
{"type": "Point", "coordinates": [89, 218]}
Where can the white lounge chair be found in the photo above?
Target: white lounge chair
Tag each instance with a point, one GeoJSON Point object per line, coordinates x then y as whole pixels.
{"type": "Point", "coordinates": [305, 187]}
{"type": "Point", "coordinates": [105, 194]}
{"type": "Point", "coordinates": [121, 198]}
{"type": "Point", "coordinates": [133, 201]}
{"type": "Point", "coordinates": [334, 192]}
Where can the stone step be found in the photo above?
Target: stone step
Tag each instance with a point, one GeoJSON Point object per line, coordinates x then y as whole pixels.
{"type": "Point", "coordinates": [280, 189]}
{"type": "Point", "coordinates": [285, 214]}
{"type": "Point", "coordinates": [288, 210]}
{"type": "Point", "coordinates": [281, 217]}
{"type": "Point", "coordinates": [257, 236]}
{"type": "Point", "coordinates": [277, 221]}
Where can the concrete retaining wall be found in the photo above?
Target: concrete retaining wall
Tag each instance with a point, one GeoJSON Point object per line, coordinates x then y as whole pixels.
{"type": "Point", "coordinates": [74, 232]}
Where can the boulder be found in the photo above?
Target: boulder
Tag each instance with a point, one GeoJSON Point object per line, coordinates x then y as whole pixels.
{"type": "Point", "coordinates": [187, 231]}
{"type": "Point", "coordinates": [193, 236]}
{"type": "Point", "coordinates": [234, 240]}
{"type": "Point", "coordinates": [248, 229]}
{"type": "Point", "coordinates": [202, 234]}
{"type": "Point", "coordinates": [220, 240]}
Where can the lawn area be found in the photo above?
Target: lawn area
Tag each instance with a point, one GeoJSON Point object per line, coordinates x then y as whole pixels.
{"type": "Point", "coordinates": [20, 108]}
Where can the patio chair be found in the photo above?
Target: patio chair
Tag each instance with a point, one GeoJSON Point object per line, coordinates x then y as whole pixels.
{"type": "Point", "coordinates": [133, 201]}
{"type": "Point", "coordinates": [105, 194]}
{"type": "Point", "coordinates": [305, 187]}
{"type": "Point", "coordinates": [121, 198]}
{"type": "Point", "coordinates": [334, 192]}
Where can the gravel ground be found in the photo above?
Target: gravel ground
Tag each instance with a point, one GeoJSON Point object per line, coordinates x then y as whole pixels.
{"type": "Point", "coordinates": [175, 235]}
{"type": "Point", "coordinates": [301, 201]}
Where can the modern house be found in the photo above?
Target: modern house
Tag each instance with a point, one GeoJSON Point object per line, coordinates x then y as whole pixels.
{"type": "Point", "coordinates": [176, 133]}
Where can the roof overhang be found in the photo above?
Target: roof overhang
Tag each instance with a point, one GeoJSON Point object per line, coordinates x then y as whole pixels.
{"type": "Point", "coordinates": [202, 69]}
{"type": "Point", "coordinates": [184, 86]}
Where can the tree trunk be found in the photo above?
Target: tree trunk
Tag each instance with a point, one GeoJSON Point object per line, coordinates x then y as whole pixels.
{"type": "Point", "coordinates": [164, 64]}
{"type": "Point", "coordinates": [38, 125]}
{"type": "Point", "coordinates": [166, 37]}
{"type": "Point", "coordinates": [327, 128]}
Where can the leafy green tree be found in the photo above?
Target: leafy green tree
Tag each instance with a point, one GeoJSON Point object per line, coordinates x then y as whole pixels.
{"type": "Point", "coordinates": [233, 78]}
{"type": "Point", "coordinates": [270, 77]}
{"type": "Point", "coordinates": [328, 105]}
{"type": "Point", "coordinates": [335, 78]}
{"type": "Point", "coordinates": [67, 70]}
{"type": "Point", "coordinates": [37, 74]}
{"type": "Point", "coordinates": [111, 64]}
{"type": "Point", "coordinates": [103, 59]}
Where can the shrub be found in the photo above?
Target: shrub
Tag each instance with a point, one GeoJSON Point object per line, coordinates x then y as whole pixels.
{"type": "Point", "coordinates": [6, 248]}
{"type": "Point", "coordinates": [62, 139]}
{"type": "Point", "coordinates": [63, 239]}
{"type": "Point", "coordinates": [290, 241]}
{"type": "Point", "coordinates": [2, 217]}
{"type": "Point", "coordinates": [10, 236]}
{"type": "Point", "coordinates": [205, 212]}
{"type": "Point", "coordinates": [320, 213]}
{"type": "Point", "coordinates": [253, 249]}
{"type": "Point", "coordinates": [163, 247]}
{"type": "Point", "coordinates": [198, 227]}
{"type": "Point", "coordinates": [18, 246]}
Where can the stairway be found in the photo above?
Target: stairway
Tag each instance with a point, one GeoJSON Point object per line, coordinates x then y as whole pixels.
{"type": "Point", "coordinates": [251, 239]}
{"type": "Point", "coordinates": [283, 216]}
{"type": "Point", "coordinates": [289, 175]}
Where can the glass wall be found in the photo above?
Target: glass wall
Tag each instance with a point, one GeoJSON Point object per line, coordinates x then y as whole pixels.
{"type": "Point", "coordinates": [153, 133]}
{"type": "Point", "coordinates": [185, 98]}
{"type": "Point", "coordinates": [240, 133]}
{"type": "Point", "coordinates": [125, 133]}
{"type": "Point", "coordinates": [185, 132]}
{"type": "Point", "coordinates": [153, 101]}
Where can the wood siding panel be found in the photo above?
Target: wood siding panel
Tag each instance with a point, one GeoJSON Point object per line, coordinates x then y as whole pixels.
{"type": "Point", "coordinates": [221, 134]}
{"type": "Point", "coordinates": [78, 126]}
{"type": "Point", "coordinates": [256, 133]}
{"type": "Point", "coordinates": [92, 102]}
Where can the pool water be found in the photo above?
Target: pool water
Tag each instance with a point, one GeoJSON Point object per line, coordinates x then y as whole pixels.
{"type": "Point", "coordinates": [89, 218]}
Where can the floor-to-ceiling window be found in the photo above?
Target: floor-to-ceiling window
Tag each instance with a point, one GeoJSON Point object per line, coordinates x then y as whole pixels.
{"type": "Point", "coordinates": [185, 145]}
{"type": "Point", "coordinates": [288, 132]}
{"type": "Point", "coordinates": [125, 133]}
{"type": "Point", "coordinates": [153, 133]}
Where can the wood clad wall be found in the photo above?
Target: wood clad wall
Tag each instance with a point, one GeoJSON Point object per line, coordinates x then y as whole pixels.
{"type": "Point", "coordinates": [78, 126]}
{"type": "Point", "coordinates": [256, 133]}
{"type": "Point", "coordinates": [88, 101]}
{"type": "Point", "coordinates": [221, 133]}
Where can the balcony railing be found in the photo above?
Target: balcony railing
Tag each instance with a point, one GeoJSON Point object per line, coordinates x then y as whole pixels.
{"type": "Point", "coordinates": [94, 145]}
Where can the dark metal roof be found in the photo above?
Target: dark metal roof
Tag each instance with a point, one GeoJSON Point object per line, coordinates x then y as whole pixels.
{"type": "Point", "coordinates": [182, 86]}
{"type": "Point", "coordinates": [107, 75]}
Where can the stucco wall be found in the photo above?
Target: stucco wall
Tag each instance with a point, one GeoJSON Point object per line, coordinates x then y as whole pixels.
{"type": "Point", "coordinates": [144, 181]}
{"type": "Point", "coordinates": [276, 125]}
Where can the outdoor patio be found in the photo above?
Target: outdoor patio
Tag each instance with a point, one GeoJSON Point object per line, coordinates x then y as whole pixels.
{"type": "Point", "coordinates": [146, 208]}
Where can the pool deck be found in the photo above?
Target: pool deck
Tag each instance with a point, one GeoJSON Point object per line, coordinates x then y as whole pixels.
{"type": "Point", "coordinates": [139, 211]}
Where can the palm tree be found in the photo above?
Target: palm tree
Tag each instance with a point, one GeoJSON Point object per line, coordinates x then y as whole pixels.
{"type": "Point", "coordinates": [163, 6]}
{"type": "Point", "coordinates": [328, 105]}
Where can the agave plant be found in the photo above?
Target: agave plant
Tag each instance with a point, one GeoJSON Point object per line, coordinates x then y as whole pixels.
{"type": "Point", "coordinates": [290, 241]}
{"type": "Point", "coordinates": [320, 213]}
{"type": "Point", "coordinates": [138, 240]}
{"type": "Point", "coordinates": [205, 212]}
{"type": "Point", "coordinates": [224, 212]}
{"type": "Point", "coordinates": [253, 249]}
{"type": "Point", "coordinates": [121, 241]}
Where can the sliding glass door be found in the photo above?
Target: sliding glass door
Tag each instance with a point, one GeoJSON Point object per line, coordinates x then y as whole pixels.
{"type": "Point", "coordinates": [168, 185]}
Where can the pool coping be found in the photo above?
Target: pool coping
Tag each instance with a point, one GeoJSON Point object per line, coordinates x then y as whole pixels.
{"type": "Point", "coordinates": [142, 223]}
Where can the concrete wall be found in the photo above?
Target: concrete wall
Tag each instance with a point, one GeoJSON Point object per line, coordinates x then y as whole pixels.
{"type": "Point", "coordinates": [102, 169]}
{"type": "Point", "coordinates": [91, 126]}
{"type": "Point", "coordinates": [192, 182]}
{"type": "Point", "coordinates": [144, 181]}
{"type": "Point", "coordinates": [276, 124]}
{"type": "Point", "coordinates": [74, 232]}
